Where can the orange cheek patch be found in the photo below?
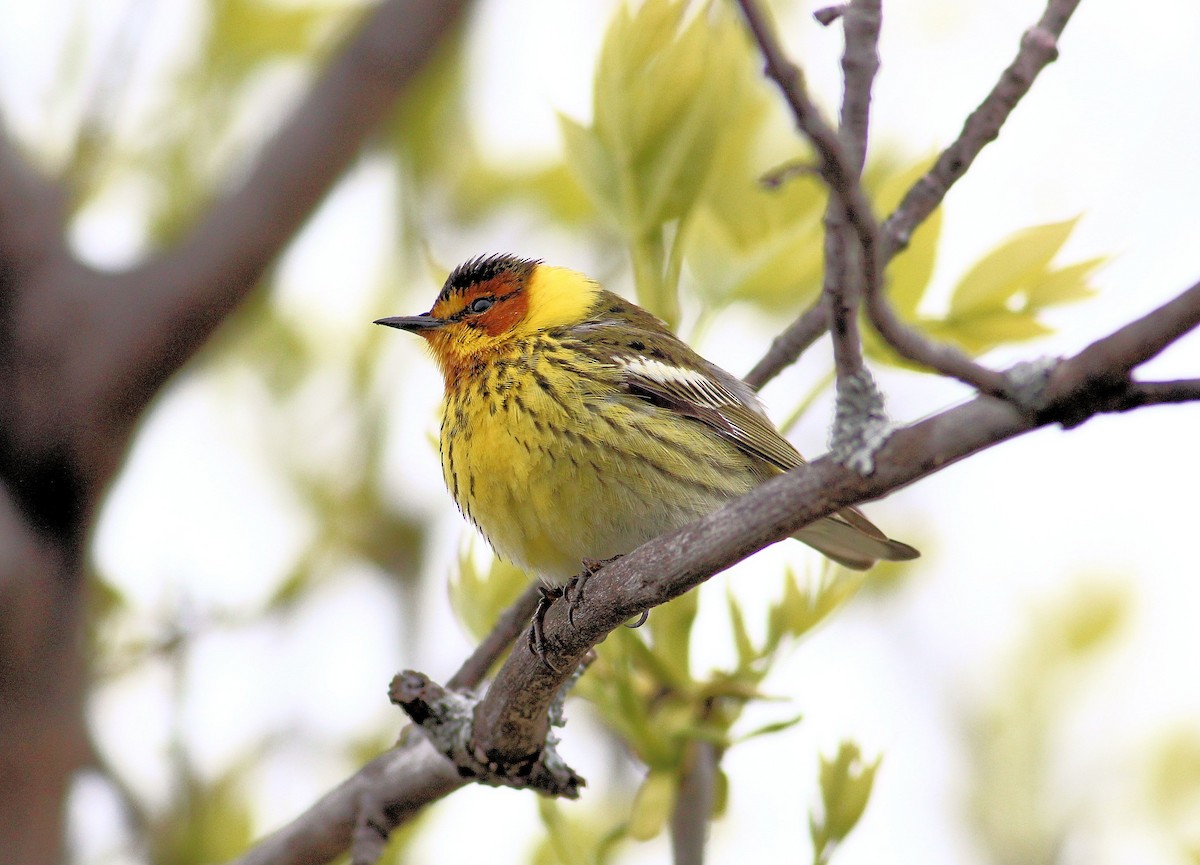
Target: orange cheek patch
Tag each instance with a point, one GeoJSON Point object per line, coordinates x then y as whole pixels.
{"type": "Point", "coordinates": [506, 314]}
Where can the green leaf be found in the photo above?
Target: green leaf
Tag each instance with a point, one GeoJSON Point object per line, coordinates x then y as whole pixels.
{"type": "Point", "coordinates": [1007, 269]}
{"type": "Point", "coordinates": [207, 822]}
{"type": "Point", "coordinates": [590, 164]}
{"type": "Point", "coordinates": [244, 33]}
{"type": "Point", "coordinates": [846, 783]}
{"type": "Point", "coordinates": [804, 609]}
{"type": "Point", "coordinates": [666, 91]}
{"type": "Point", "coordinates": [778, 269]}
{"type": "Point", "coordinates": [563, 842]}
{"type": "Point", "coordinates": [769, 729]}
{"type": "Point", "coordinates": [652, 805]}
{"type": "Point", "coordinates": [1096, 612]}
{"type": "Point", "coordinates": [1065, 285]}
{"type": "Point", "coordinates": [671, 630]}
{"type": "Point", "coordinates": [979, 332]}
{"type": "Point", "coordinates": [478, 597]}
{"type": "Point", "coordinates": [746, 652]}
{"type": "Point", "coordinates": [720, 794]}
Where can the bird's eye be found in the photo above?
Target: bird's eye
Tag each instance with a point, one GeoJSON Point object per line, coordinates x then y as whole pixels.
{"type": "Point", "coordinates": [481, 304]}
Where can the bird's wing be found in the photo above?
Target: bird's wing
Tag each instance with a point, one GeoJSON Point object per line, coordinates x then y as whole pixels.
{"type": "Point", "coordinates": [716, 399]}
{"type": "Point", "coordinates": [730, 408]}
{"type": "Point", "coordinates": [654, 365]}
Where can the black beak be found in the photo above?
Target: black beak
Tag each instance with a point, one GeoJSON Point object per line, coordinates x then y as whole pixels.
{"type": "Point", "coordinates": [412, 323]}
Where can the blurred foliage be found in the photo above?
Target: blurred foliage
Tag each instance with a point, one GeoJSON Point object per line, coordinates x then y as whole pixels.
{"type": "Point", "coordinates": [1013, 737]}
{"type": "Point", "coordinates": [190, 141]}
{"type": "Point", "coordinates": [209, 822]}
{"type": "Point", "coordinates": [999, 300]}
{"type": "Point", "coordinates": [432, 134]}
{"type": "Point", "coordinates": [673, 101]}
{"type": "Point", "coordinates": [668, 173]}
{"type": "Point", "coordinates": [582, 835]}
{"type": "Point", "coordinates": [480, 595]}
{"type": "Point", "coordinates": [646, 691]}
{"type": "Point", "coordinates": [1174, 789]}
{"type": "Point", "coordinates": [845, 788]}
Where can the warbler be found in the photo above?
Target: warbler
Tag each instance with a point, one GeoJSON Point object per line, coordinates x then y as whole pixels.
{"type": "Point", "coordinates": [576, 426]}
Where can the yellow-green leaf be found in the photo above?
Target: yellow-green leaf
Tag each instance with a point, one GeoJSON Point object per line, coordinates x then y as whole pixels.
{"type": "Point", "coordinates": [774, 727]}
{"type": "Point", "coordinates": [652, 805]}
{"type": "Point", "coordinates": [1007, 269]}
{"type": "Point", "coordinates": [982, 331]}
{"type": "Point", "coordinates": [741, 637]}
{"type": "Point", "coordinates": [591, 166]}
{"type": "Point", "coordinates": [1064, 285]}
{"type": "Point", "coordinates": [665, 92]}
{"type": "Point", "coordinates": [720, 794]}
{"type": "Point", "coordinates": [846, 783]}
{"type": "Point", "coordinates": [671, 629]}
{"type": "Point", "coordinates": [479, 596]}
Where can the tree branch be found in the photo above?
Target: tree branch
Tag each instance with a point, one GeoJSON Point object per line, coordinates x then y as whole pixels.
{"type": "Point", "coordinates": [407, 778]}
{"type": "Point", "coordinates": [861, 21]}
{"type": "Point", "coordinates": [32, 210]}
{"type": "Point", "coordinates": [1038, 49]}
{"type": "Point", "coordinates": [844, 278]}
{"type": "Point", "coordinates": [393, 787]}
{"type": "Point", "coordinates": [694, 803]}
{"type": "Point", "coordinates": [142, 325]}
{"type": "Point", "coordinates": [183, 295]}
{"type": "Point", "coordinates": [790, 344]}
{"type": "Point", "coordinates": [512, 719]}
{"type": "Point", "coordinates": [1142, 393]}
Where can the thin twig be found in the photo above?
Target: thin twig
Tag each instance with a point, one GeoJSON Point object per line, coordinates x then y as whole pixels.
{"type": "Point", "coordinates": [1039, 48]}
{"type": "Point", "coordinates": [838, 171]}
{"type": "Point", "coordinates": [844, 278]}
{"type": "Point", "coordinates": [826, 15]}
{"type": "Point", "coordinates": [790, 344]}
{"type": "Point", "coordinates": [1143, 393]}
{"type": "Point", "coordinates": [860, 63]}
{"type": "Point", "coordinates": [694, 803]}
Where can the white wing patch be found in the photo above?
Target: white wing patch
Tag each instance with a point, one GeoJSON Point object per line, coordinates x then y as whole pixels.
{"type": "Point", "coordinates": [697, 384]}
{"type": "Point", "coordinates": [685, 382]}
{"type": "Point", "coordinates": [688, 384]}
{"type": "Point", "coordinates": [730, 407]}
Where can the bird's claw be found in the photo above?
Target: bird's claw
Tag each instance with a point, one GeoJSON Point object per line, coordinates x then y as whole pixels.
{"type": "Point", "coordinates": [547, 595]}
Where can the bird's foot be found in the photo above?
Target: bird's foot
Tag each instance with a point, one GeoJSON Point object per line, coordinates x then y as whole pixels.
{"type": "Point", "coordinates": [547, 595]}
{"type": "Point", "coordinates": [573, 590]}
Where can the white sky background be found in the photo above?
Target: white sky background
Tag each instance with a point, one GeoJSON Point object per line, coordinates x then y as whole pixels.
{"type": "Point", "coordinates": [1109, 131]}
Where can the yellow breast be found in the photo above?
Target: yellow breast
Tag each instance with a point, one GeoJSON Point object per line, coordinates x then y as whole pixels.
{"type": "Point", "coordinates": [554, 463]}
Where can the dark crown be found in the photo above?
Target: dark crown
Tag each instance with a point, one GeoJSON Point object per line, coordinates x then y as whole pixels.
{"type": "Point", "coordinates": [484, 268]}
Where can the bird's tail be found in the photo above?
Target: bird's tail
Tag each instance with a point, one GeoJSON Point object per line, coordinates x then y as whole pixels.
{"type": "Point", "coordinates": [850, 539]}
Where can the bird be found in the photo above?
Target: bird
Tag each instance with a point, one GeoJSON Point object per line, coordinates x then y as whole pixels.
{"type": "Point", "coordinates": [575, 426]}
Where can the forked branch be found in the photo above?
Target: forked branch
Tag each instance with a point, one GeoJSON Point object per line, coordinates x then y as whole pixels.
{"type": "Point", "coordinates": [1038, 49]}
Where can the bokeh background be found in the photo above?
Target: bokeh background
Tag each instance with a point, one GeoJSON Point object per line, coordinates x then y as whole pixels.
{"type": "Point", "coordinates": [280, 542]}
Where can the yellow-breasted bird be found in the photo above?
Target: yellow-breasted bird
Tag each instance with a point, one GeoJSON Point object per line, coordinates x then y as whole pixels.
{"type": "Point", "coordinates": [576, 426]}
